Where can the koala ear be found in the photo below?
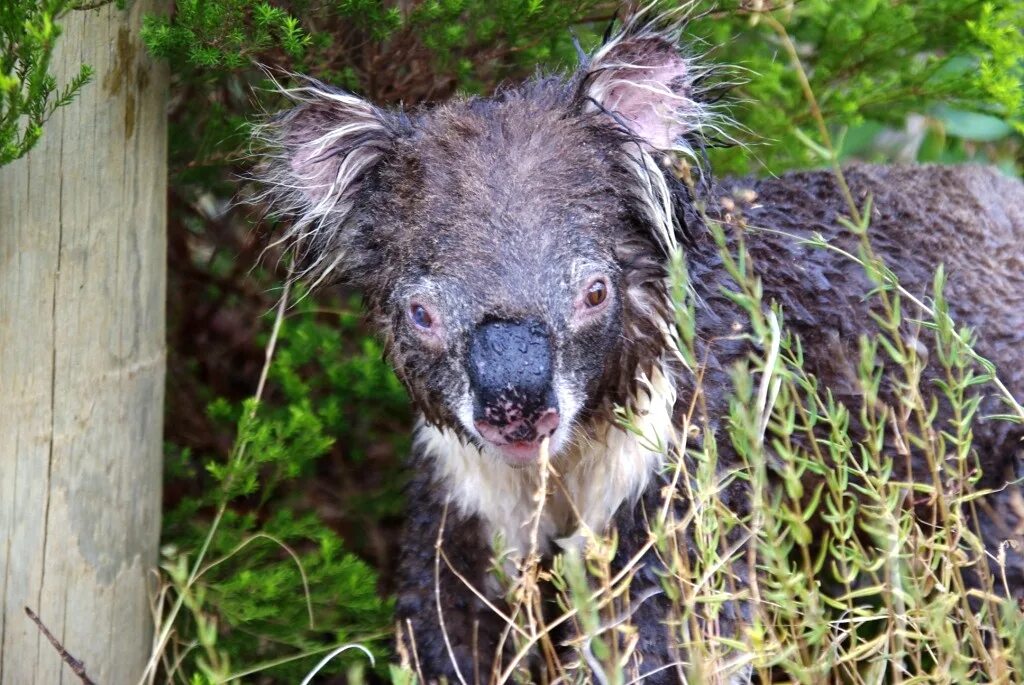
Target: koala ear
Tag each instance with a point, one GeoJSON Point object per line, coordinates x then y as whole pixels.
{"type": "Point", "coordinates": [641, 80]}
{"type": "Point", "coordinates": [317, 158]}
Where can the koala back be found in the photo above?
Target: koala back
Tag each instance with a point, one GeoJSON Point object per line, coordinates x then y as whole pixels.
{"type": "Point", "coordinates": [968, 219]}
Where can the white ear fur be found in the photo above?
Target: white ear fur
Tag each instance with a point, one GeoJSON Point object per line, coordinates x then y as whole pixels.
{"type": "Point", "coordinates": [319, 153]}
{"type": "Point", "coordinates": [642, 80]}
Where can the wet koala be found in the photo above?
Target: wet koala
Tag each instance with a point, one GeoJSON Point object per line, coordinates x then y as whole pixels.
{"type": "Point", "coordinates": [514, 251]}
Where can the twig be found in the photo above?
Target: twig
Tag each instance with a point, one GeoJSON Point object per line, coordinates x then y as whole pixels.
{"type": "Point", "coordinates": [481, 596]}
{"type": "Point", "coordinates": [76, 665]}
{"type": "Point", "coordinates": [816, 114]}
{"type": "Point", "coordinates": [415, 654]}
{"type": "Point", "coordinates": [343, 648]}
{"type": "Point", "coordinates": [437, 594]}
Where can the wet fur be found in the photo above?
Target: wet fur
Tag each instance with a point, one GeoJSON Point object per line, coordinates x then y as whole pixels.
{"type": "Point", "coordinates": [497, 207]}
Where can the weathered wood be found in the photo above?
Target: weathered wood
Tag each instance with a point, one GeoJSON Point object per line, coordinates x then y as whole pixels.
{"type": "Point", "coordinates": [82, 274]}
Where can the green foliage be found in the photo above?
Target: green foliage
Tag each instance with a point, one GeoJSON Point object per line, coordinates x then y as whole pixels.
{"type": "Point", "coordinates": [1001, 70]}
{"type": "Point", "coordinates": [328, 363]}
{"type": "Point", "coordinates": [367, 46]}
{"type": "Point", "coordinates": [29, 93]}
{"type": "Point", "coordinates": [878, 593]}
{"type": "Point", "coordinates": [276, 591]}
{"type": "Point", "coordinates": [233, 34]}
{"type": "Point", "coordinates": [237, 34]}
{"type": "Point", "coordinates": [870, 64]}
{"type": "Point", "coordinates": [223, 34]}
{"type": "Point", "coordinates": [262, 586]}
{"type": "Point", "coordinates": [350, 388]}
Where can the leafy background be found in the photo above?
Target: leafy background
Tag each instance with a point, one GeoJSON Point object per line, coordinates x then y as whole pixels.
{"type": "Point", "coordinates": [313, 472]}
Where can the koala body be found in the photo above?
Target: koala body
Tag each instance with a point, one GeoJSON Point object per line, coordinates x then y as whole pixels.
{"type": "Point", "coordinates": [515, 251]}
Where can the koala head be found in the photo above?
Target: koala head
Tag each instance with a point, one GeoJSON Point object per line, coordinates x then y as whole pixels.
{"type": "Point", "coordinates": [512, 249]}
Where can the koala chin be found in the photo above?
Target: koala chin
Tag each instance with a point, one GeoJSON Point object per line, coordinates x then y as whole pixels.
{"type": "Point", "coordinates": [514, 252]}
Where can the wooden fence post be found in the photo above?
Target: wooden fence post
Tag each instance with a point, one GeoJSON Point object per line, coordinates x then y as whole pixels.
{"type": "Point", "coordinates": [82, 288]}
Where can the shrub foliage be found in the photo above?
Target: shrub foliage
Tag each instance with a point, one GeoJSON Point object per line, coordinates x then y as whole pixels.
{"type": "Point", "coordinates": [29, 92]}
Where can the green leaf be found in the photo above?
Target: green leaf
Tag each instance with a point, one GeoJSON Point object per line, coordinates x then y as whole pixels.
{"type": "Point", "coordinates": [972, 125]}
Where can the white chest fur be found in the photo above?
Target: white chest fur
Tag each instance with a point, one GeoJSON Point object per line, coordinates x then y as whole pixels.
{"type": "Point", "coordinates": [596, 474]}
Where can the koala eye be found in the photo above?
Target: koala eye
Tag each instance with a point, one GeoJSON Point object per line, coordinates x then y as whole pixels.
{"type": "Point", "coordinates": [592, 299]}
{"type": "Point", "coordinates": [597, 293]}
{"type": "Point", "coordinates": [420, 317]}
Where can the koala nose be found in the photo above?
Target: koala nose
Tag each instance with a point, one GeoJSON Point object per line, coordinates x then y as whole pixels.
{"type": "Point", "coordinates": [510, 371]}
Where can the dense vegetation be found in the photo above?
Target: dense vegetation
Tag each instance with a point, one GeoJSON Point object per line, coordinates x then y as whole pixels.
{"type": "Point", "coordinates": [281, 512]}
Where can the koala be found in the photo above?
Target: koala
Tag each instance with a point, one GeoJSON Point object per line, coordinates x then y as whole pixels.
{"type": "Point", "coordinates": [514, 253]}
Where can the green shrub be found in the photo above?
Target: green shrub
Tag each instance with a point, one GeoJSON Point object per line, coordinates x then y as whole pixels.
{"type": "Point", "coordinates": [253, 577]}
{"type": "Point", "coordinates": [870, 64]}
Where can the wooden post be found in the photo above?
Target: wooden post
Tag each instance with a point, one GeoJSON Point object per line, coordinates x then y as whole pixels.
{"type": "Point", "coordinates": [82, 288]}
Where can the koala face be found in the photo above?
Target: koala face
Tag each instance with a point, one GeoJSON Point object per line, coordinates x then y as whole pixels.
{"type": "Point", "coordinates": [502, 294]}
{"type": "Point", "coordinates": [511, 249]}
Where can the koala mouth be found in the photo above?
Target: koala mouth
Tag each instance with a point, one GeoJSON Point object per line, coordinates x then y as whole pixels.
{"type": "Point", "coordinates": [519, 441]}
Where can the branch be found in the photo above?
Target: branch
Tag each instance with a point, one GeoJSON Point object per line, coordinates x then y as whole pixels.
{"type": "Point", "coordinates": [77, 666]}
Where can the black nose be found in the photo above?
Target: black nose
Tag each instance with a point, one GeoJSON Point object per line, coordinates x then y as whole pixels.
{"type": "Point", "coordinates": [510, 370]}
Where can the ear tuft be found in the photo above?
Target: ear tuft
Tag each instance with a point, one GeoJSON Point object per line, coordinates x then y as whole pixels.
{"type": "Point", "coordinates": [318, 155]}
{"type": "Point", "coordinates": [640, 78]}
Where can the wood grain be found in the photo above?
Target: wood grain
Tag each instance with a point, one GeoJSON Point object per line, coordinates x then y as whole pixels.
{"type": "Point", "coordinates": [82, 290]}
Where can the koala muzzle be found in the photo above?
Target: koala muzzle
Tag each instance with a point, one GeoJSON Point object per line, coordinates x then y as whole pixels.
{"type": "Point", "coordinates": [511, 371]}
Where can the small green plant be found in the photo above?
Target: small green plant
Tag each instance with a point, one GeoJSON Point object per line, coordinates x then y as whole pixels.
{"type": "Point", "coordinates": [250, 584]}
{"type": "Point", "coordinates": [29, 92]}
{"type": "Point", "coordinates": [1001, 72]}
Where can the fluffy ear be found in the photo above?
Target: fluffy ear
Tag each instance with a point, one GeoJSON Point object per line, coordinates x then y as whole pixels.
{"type": "Point", "coordinates": [318, 155]}
{"type": "Point", "coordinates": [641, 80]}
